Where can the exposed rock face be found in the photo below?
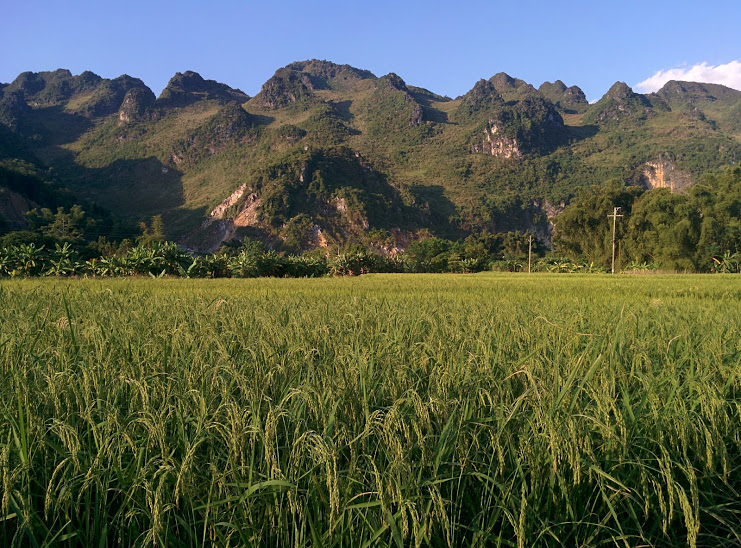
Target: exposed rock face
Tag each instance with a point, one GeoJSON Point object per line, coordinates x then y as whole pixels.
{"type": "Point", "coordinates": [135, 104]}
{"type": "Point", "coordinates": [497, 145]}
{"type": "Point", "coordinates": [662, 173]}
{"type": "Point", "coordinates": [220, 226]}
{"type": "Point", "coordinates": [532, 124]}
{"type": "Point", "coordinates": [220, 210]}
{"type": "Point", "coordinates": [545, 233]}
{"type": "Point", "coordinates": [317, 238]}
{"type": "Point", "coordinates": [247, 214]}
{"type": "Point", "coordinates": [189, 87]}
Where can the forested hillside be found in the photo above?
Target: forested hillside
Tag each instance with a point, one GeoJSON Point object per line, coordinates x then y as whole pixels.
{"type": "Point", "coordinates": [326, 155]}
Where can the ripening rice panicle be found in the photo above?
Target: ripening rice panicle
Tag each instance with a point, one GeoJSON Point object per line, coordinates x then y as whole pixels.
{"type": "Point", "coordinates": [382, 410]}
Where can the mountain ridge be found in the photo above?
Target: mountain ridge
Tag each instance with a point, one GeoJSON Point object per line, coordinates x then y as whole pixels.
{"type": "Point", "coordinates": [500, 157]}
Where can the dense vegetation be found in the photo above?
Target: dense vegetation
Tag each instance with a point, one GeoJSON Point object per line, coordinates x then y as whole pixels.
{"type": "Point", "coordinates": [404, 411]}
{"type": "Point", "coordinates": [696, 230]}
{"type": "Point", "coordinates": [331, 149]}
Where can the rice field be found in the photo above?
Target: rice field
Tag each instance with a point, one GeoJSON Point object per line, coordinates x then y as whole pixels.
{"type": "Point", "coordinates": [382, 410]}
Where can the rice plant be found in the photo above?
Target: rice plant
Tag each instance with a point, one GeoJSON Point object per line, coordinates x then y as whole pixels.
{"type": "Point", "coordinates": [399, 410]}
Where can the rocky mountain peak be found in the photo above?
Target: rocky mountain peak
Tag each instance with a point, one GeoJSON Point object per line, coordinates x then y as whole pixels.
{"type": "Point", "coordinates": [503, 81]}
{"type": "Point", "coordinates": [622, 103]}
{"type": "Point", "coordinates": [482, 92]}
{"type": "Point", "coordinates": [285, 87]}
{"type": "Point", "coordinates": [395, 81]}
{"type": "Point", "coordinates": [135, 104]}
{"type": "Point", "coordinates": [620, 91]}
{"type": "Point", "coordinates": [568, 99]}
{"type": "Point", "coordinates": [326, 70]}
{"type": "Point", "coordinates": [577, 93]}
{"type": "Point", "coordinates": [52, 87]}
{"type": "Point", "coordinates": [478, 102]}
{"type": "Point", "coordinates": [188, 87]}
{"type": "Point", "coordinates": [675, 90]}
{"type": "Point", "coordinates": [547, 88]}
{"type": "Point", "coordinates": [511, 89]}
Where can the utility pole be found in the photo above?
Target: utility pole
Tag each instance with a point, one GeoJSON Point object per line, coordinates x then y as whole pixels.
{"type": "Point", "coordinates": [614, 223]}
{"type": "Point", "coordinates": [529, 252]}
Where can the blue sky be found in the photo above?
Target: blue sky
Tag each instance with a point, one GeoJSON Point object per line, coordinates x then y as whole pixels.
{"type": "Point", "coordinates": [443, 46]}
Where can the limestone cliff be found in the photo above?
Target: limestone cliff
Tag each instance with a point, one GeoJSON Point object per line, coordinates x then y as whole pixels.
{"type": "Point", "coordinates": [496, 144]}
{"type": "Point", "coordinates": [663, 173]}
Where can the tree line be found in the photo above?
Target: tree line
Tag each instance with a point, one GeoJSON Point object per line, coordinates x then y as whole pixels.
{"type": "Point", "coordinates": [698, 230]}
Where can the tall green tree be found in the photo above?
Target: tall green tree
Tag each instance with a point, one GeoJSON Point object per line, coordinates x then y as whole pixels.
{"type": "Point", "coordinates": [717, 197]}
{"type": "Point", "coordinates": [65, 226]}
{"type": "Point", "coordinates": [664, 228]}
{"type": "Point", "coordinates": [154, 232]}
{"type": "Point", "coordinates": [583, 229]}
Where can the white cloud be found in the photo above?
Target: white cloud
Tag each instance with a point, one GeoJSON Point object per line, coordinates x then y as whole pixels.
{"type": "Point", "coordinates": [727, 75]}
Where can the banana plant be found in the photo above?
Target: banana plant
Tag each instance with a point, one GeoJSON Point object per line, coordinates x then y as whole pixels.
{"type": "Point", "coordinates": [728, 263]}
{"type": "Point", "coordinates": [30, 259]}
{"type": "Point", "coordinates": [64, 261]}
{"type": "Point", "coordinates": [8, 261]}
{"type": "Point", "coordinates": [244, 265]}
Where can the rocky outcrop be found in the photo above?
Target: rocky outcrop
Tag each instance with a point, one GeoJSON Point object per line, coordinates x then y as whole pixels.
{"type": "Point", "coordinates": [393, 85]}
{"type": "Point", "coordinates": [246, 214]}
{"type": "Point", "coordinates": [568, 99]}
{"type": "Point", "coordinates": [238, 210]}
{"type": "Point", "coordinates": [109, 96]}
{"type": "Point", "coordinates": [249, 212]}
{"type": "Point", "coordinates": [511, 89]}
{"type": "Point", "coordinates": [618, 104]}
{"type": "Point", "coordinates": [482, 98]}
{"type": "Point", "coordinates": [189, 87]}
{"type": "Point", "coordinates": [328, 74]}
{"type": "Point", "coordinates": [663, 173]}
{"type": "Point", "coordinates": [135, 105]}
{"type": "Point", "coordinates": [220, 210]}
{"type": "Point", "coordinates": [531, 125]}
{"type": "Point", "coordinates": [499, 146]}
{"type": "Point", "coordinates": [285, 87]}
